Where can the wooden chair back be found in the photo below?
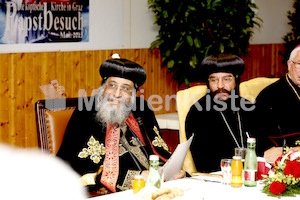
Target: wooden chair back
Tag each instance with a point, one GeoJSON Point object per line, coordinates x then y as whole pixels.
{"type": "Point", "coordinates": [52, 117]}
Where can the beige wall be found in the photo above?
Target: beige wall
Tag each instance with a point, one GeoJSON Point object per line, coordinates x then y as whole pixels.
{"type": "Point", "coordinates": [128, 24]}
{"type": "Point", "coordinates": [272, 12]}
{"type": "Point", "coordinates": [275, 21]}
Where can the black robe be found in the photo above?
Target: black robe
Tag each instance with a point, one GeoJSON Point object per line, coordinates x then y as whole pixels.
{"type": "Point", "coordinates": [83, 125]}
{"type": "Point", "coordinates": [279, 107]}
{"type": "Point", "coordinates": [212, 139]}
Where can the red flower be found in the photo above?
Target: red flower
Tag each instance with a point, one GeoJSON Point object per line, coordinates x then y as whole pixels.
{"type": "Point", "coordinates": [292, 168]}
{"type": "Point", "coordinates": [277, 161]}
{"type": "Point", "coordinates": [277, 188]}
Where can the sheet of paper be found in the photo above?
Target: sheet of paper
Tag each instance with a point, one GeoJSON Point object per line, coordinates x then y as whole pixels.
{"type": "Point", "coordinates": [173, 166]}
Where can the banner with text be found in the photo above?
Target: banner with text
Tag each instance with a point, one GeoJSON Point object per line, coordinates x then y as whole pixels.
{"type": "Point", "coordinates": [44, 21]}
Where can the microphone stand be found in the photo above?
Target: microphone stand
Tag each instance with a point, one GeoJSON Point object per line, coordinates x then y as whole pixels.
{"type": "Point", "coordinates": [280, 131]}
{"type": "Point", "coordinates": [284, 140]}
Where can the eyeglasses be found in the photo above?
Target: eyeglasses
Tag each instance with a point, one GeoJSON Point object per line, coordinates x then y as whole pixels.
{"type": "Point", "coordinates": [225, 79]}
{"type": "Point", "coordinates": [297, 64]}
{"type": "Point", "coordinates": [123, 89]}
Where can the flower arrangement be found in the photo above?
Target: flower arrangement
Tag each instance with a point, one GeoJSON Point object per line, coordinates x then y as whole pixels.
{"type": "Point", "coordinates": [284, 178]}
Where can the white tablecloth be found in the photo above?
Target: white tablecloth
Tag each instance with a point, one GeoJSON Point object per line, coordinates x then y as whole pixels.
{"type": "Point", "coordinates": [195, 188]}
{"type": "Point", "coordinates": [168, 121]}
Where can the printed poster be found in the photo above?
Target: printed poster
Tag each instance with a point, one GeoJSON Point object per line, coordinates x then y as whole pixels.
{"type": "Point", "coordinates": [44, 21]}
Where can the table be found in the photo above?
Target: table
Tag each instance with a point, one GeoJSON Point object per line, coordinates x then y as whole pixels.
{"type": "Point", "coordinates": [168, 121]}
{"type": "Point", "coordinates": [196, 188]}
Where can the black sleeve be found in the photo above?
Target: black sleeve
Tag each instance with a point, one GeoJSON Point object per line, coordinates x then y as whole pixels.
{"type": "Point", "coordinates": [79, 129]}
{"type": "Point", "coordinates": [147, 121]}
{"type": "Point", "coordinates": [266, 122]}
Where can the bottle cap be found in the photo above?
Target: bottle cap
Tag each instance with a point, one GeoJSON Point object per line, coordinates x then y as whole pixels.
{"type": "Point", "coordinates": [154, 157]}
{"type": "Point", "coordinates": [139, 177]}
{"type": "Point", "coordinates": [251, 140]}
{"type": "Point", "coordinates": [237, 157]}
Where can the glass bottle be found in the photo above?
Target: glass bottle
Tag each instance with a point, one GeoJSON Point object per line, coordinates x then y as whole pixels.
{"type": "Point", "coordinates": [154, 176]}
{"type": "Point", "coordinates": [250, 166]}
{"type": "Point", "coordinates": [236, 171]}
{"type": "Point", "coordinates": [138, 183]}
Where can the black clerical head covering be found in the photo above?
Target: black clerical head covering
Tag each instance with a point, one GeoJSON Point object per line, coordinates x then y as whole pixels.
{"type": "Point", "coordinates": [222, 63]}
{"type": "Point", "coordinates": [123, 68]}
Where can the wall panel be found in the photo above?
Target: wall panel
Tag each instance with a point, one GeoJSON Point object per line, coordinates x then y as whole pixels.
{"type": "Point", "coordinates": [264, 60]}
{"type": "Point", "coordinates": [22, 74]}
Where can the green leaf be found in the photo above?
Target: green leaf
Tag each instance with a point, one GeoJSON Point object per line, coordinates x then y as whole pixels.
{"type": "Point", "coordinates": [193, 61]}
{"type": "Point", "coordinates": [192, 64]}
{"type": "Point", "coordinates": [216, 3]}
{"type": "Point", "coordinates": [231, 44]}
{"type": "Point", "coordinates": [168, 53]}
{"type": "Point", "coordinates": [187, 82]}
{"type": "Point", "coordinates": [222, 48]}
{"type": "Point", "coordinates": [197, 43]}
{"type": "Point", "coordinates": [206, 52]}
{"type": "Point", "coordinates": [178, 45]}
{"type": "Point", "coordinates": [192, 8]}
{"type": "Point", "coordinates": [171, 64]}
{"type": "Point", "coordinates": [189, 40]}
{"type": "Point", "coordinates": [173, 20]}
{"type": "Point", "coordinates": [155, 44]}
{"type": "Point", "coordinates": [165, 14]}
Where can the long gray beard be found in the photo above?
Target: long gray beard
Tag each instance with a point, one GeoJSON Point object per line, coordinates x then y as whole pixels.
{"type": "Point", "coordinates": [113, 114]}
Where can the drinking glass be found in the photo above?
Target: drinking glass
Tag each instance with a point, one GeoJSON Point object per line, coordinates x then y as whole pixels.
{"type": "Point", "coordinates": [239, 151]}
{"type": "Point", "coordinates": [226, 170]}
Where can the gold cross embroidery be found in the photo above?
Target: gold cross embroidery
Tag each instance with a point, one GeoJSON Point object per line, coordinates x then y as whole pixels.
{"type": "Point", "coordinates": [158, 141]}
{"type": "Point", "coordinates": [95, 150]}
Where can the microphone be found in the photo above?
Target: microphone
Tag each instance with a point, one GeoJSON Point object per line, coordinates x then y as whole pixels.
{"type": "Point", "coordinates": [284, 140]}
